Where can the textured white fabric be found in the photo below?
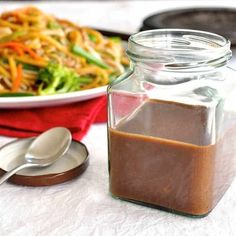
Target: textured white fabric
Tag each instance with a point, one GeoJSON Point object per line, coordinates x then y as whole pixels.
{"type": "Point", "coordinates": [83, 206]}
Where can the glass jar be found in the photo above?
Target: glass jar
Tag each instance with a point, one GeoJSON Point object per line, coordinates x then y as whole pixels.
{"type": "Point", "coordinates": [172, 122]}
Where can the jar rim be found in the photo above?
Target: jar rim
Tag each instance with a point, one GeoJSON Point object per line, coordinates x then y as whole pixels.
{"type": "Point", "coordinates": [179, 46]}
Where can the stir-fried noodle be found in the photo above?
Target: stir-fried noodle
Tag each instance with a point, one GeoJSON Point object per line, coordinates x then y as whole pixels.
{"type": "Point", "coordinates": [40, 54]}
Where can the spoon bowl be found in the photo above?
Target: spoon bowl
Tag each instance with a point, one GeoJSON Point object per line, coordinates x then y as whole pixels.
{"type": "Point", "coordinates": [44, 150]}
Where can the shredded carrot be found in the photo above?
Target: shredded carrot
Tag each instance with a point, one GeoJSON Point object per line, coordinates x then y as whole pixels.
{"type": "Point", "coordinates": [18, 46]}
{"type": "Point", "coordinates": [17, 81]}
{"type": "Point", "coordinates": [18, 50]}
{"type": "Point", "coordinates": [32, 53]}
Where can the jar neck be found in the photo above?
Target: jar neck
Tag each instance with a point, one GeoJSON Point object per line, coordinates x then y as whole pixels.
{"type": "Point", "coordinates": [178, 50]}
{"type": "Point", "coordinates": [157, 74]}
{"type": "Point", "coordinates": [156, 67]}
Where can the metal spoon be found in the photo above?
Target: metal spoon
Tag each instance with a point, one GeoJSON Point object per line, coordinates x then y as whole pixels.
{"type": "Point", "coordinates": [44, 150]}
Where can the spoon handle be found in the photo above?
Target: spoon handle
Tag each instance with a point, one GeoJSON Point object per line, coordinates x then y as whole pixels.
{"type": "Point", "coordinates": [13, 171]}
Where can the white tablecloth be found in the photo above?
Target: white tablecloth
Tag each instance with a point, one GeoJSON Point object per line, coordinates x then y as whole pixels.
{"type": "Point", "coordinates": [84, 206]}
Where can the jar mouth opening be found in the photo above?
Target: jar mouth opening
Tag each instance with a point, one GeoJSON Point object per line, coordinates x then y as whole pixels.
{"type": "Point", "coordinates": [178, 46]}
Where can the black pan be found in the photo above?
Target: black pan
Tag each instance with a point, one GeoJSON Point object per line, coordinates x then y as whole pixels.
{"type": "Point", "coordinates": [217, 20]}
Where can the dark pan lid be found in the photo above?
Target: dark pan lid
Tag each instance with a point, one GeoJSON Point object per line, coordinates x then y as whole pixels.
{"type": "Point", "coordinates": [216, 20]}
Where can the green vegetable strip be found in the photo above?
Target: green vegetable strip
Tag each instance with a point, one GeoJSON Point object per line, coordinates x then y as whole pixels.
{"type": "Point", "coordinates": [85, 80]}
{"type": "Point", "coordinates": [92, 38]}
{"type": "Point", "coordinates": [16, 94]}
{"type": "Point", "coordinates": [12, 36]}
{"type": "Point", "coordinates": [25, 66]}
{"type": "Point", "coordinates": [115, 39]}
{"type": "Point", "coordinates": [30, 67]}
{"type": "Point", "coordinates": [53, 25]}
{"type": "Point", "coordinates": [77, 50]}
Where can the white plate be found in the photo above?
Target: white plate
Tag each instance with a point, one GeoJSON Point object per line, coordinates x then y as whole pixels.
{"type": "Point", "coordinates": [51, 100]}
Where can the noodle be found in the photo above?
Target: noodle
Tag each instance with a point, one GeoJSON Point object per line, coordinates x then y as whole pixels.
{"type": "Point", "coordinates": [32, 41]}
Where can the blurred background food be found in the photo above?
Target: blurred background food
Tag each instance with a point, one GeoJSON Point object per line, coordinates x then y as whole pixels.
{"type": "Point", "coordinates": [120, 15]}
{"type": "Point", "coordinates": [42, 55]}
{"type": "Point", "coordinates": [127, 17]}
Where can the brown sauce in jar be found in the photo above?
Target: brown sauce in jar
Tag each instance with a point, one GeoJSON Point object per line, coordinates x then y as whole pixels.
{"type": "Point", "coordinates": [164, 155]}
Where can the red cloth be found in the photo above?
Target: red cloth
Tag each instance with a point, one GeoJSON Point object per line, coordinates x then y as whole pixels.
{"type": "Point", "coordinates": [77, 117]}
